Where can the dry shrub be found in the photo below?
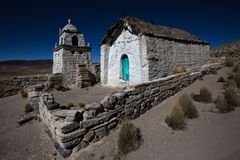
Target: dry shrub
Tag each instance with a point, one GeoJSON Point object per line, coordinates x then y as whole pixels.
{"type": "Point", "coordinates": [235, 68]}
{"type": "Point", "coordinates": [229, 62]}
{"type": "Point", "coordinates": [222, 105]}
{"type": "Point", "coordinates": [129, 138]}
{"type": "Point", "coordinates": [221, 79]}
{"type": "Point", "coordinates": [237, 78]}
{"type": "Point", "coordinates": [28, 108]}
{"type": "Point", "coordinates": [205, 95]}
{"type": "Point", "coordinates": [188, 107]}
{"type": "Point", "coordinates": [81, 104]}
{"type": "Point", "coordinates": [180, 69]}
{"type": "Point", "coordinates": [213, 71]}
{"type": "Point", "coordinates": [231, 83]}
{"type": "Point", "coordinates": [231, 96]}
{"type": "Point", "coordinates": [176, 118]}
{"type": "Point", "coordinates": [23, 93]}
{"type": "Point", "coordinates": [70, 104]}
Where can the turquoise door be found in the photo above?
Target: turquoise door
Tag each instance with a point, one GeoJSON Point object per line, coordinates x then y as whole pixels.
{"type": "Point", "coordinates": [125, 68]}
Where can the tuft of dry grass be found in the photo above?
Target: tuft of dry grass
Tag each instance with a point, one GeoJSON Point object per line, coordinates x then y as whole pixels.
{"type": "Point", "coordinates": [235, 68]}
{"type": "Point", "coordinates": [188, 107]}
{"type": "Point", "coordinates": [237, 78]}
{"type": "Point", "coordinates": [213, 71]}
{"type": "Point", "coordinates": [222, 105]}
{"type": "Point", "coordinates": [70, 104]}
{"type": "Point", "coordinates": [176, 118]}
{"type": "Point", "coordinates": [129, 138]}
{"type": "Point", "coordinates": [180, 69]}
{"type": "Point", "coordinates": [204, 96]}
{"type": "Point", "coordinates": [81, 104]}
{"type": "Point", "coordinates": [23, 93]}
{"type": "Point", "coordinates": [229, 62]}
{"type": "Point", "coordinates": [231, 96]}
{"type": "Point", "coordinates": [231, 83]}
{"type": "Point", "coordinates": [28, 108]}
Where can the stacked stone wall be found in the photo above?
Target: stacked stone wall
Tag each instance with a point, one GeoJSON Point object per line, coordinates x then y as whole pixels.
{"type": "Point", "coordinates": [12, 86]}
{"type": "Point", "coordinates": [79, 127]}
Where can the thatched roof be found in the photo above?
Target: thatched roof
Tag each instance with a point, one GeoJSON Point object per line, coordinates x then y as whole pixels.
{"type": "Point", "coordinates": [141, 27]}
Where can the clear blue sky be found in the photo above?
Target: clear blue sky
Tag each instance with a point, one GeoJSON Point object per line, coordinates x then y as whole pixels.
{"type": "Point", "coordinates": [29, 29]}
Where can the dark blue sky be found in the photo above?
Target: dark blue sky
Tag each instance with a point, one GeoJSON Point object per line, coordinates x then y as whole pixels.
{"type": "Point", "coordinates": [29, 29]}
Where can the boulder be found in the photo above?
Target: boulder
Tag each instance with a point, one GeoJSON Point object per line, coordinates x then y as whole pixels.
{"type": "Point", "coordinates": [70, 136]}
{"type": "Point", "coordinates": [89, 136]}
{"type": "Point", "coordinates": [66, 127]}
{"type": "Point", "coordinates": [26, 118]}
{"type": "Point", "coordinates": [94, 106]}
{"type": "Point", "coordinates": [77, 115]}
{"type": "Point", "coordinates": [83, 144]}
{"type": "Point", "coordinates": [51, 106]}
{"type": "Point", "coordinates": [109, 102]}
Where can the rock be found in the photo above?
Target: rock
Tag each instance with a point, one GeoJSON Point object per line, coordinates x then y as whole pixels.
{"type": "Point", "coordinates": [89, 114]}
{"type": "Point", "coordinates": [89, 123]}
{"type": "Point", "coordinates": [45, 89]}
{"type": "Point", "coordinates": [82, 144]}
{"type": "Point", "coordinates": [63, 151]}
{"type": "Point", "coordinates": [51, 106]}
{"type": "Point", "coordinates": [76, 114]}
{"type": "Point", "coordinates": [89, 136]}
{"type": "Point", "coordinates": [66, 127]}
{"type": "Point", "coordinates": [109, 102]}
{"type": "Point", "coordinates": [100, 132]}
{"type": "Point", "coordinates": [94, 106]}
{"type": "Point", "coordinates": [112, 125]}
{"type": "Point", "coordinates": [107, 117]}
{"type": "Point", "coordinates": [26, 118]}
{"type": "Point", "coordinates": [71, 144]}
{"type": "Point", "coordinates": [70, 136]}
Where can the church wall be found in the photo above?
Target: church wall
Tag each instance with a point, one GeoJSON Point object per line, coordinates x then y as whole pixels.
{"type": "Point", "coordinates": [66, 38]}
{"type": "Point", "coordinates": [128, 44]}
{"type": "Point", "coordinates": [165, 55]}
{"type": "Point", "coordinates": [57, 61]}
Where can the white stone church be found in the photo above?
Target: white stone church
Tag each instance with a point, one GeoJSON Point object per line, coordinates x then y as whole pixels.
{"type": "Point", "coordinates": [135, 51]}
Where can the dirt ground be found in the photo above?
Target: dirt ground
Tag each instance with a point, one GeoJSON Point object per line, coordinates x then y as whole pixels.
{"type": "Point", "coordinates": [85, 95]}
{"type": "Point", "coordinates": [211, 136]}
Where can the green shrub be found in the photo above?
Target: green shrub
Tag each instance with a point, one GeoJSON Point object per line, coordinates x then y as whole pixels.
{"type": "Point", "coordinates": [180, 69]}
{"type": "Point", "coordinates": [237, 78]}
{"type": "Point", "coordinates": [176, 119]}
{"type": "Point", "coordinates": [221, 79]}
{"type": "Point", "coordinates": [28, 108]}
{"type": "Point", "coordinates": [205, 95]}
{"type": "Point", "coordinates": [213, 71]}
{"type": "Point", "coordinates": [23, 93]}
{"type": "Point", "coordinates": [188, 107]}
{"type": "Point", "coordinates": [229, 62]}
{"type": "Point", "coordinates": [81, 104]}
{"type": "Point", "coordinates": [231, 83]}
{"type": "Point", "coordinates": [70, 104]}
{"type": "Point", "coordinates": [222, 105]}
{"type": "Point", "coordinates": [129, 138]}
{"type": "Point", "coordinates": [231, 96]}
{"type": "Point", "coordinates": [235, 68]}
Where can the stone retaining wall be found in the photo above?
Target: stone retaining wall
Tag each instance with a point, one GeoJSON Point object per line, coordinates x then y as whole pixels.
{"type": "Point", "coordinates": [12, 86]}
{"type": "Point", "coordinates": [76, 128]}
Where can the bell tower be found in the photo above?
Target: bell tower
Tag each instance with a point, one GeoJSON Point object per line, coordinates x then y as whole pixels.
{"type": "Point", "coordinates": [70, 52]}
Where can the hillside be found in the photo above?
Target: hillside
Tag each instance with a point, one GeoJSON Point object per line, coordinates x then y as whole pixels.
{"type": "Point", "coordinates": [231, 49]}
{"type": "Point", "coordinates": [13, 68]}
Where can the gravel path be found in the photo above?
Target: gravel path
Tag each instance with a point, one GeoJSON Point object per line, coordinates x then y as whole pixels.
{"type": "Point", "coordinates": [212, 136]}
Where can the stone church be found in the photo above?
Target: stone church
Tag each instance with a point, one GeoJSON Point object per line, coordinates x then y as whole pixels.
{"type": "Point", "coordinates": [135, 51]}
{"type": "Point", "coordinates": [72, 58]}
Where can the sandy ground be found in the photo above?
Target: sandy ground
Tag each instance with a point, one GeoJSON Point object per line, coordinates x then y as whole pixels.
{"type": "Point", "coordinates": [212, 136]}
{"type": "Point", "coordinates": [26, 142]}
{"type": "Point", "coordinates": [85, 95]}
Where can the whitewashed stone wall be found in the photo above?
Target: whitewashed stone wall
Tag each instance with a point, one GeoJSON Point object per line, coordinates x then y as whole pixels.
{"type": "Point", "coordinates": [165, 55]}
{"type": "Point", "coordinates": [58, 61]}
{"type": "Point", "coordinates": [129, 44]}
